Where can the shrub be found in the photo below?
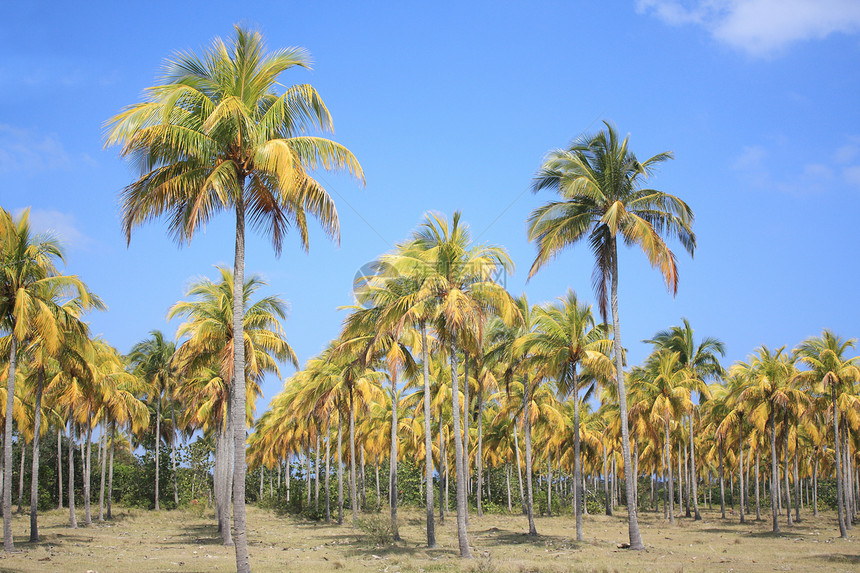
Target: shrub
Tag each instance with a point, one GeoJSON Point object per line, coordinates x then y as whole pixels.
{"type": "Point", "coordinates": [376, 529]}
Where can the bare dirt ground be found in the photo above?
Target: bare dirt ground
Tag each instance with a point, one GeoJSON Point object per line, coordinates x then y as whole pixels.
{"type": "Point", "coordinates": [138, 540]}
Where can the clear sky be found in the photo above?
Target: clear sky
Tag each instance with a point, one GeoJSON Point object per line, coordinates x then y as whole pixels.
{"type": "Point", "coordinates": [452, 106]}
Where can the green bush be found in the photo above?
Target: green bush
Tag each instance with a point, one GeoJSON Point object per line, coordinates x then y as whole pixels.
{"type": "Point", "coordinates": [376, 529]}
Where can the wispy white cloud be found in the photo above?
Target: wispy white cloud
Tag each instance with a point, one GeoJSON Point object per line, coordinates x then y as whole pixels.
{"type": "Point", "coordinates": [760, 27]}
{"type": "Point", "coordinates": [839, 169]}
{"type": "Point", "coordinates": [62, 225]}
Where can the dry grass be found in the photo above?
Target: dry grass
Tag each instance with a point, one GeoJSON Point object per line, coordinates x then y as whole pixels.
{"type": "Point", "coordinates": [139, 540]}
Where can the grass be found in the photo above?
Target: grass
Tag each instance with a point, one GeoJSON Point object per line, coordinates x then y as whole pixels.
{"type": "Point", "coordinates": [138, 540]}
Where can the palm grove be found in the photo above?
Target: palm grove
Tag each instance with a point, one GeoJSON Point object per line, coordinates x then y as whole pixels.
{"type": "Point", "coordinates": [439, 376]}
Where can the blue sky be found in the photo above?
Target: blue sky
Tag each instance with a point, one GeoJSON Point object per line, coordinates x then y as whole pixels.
{"type": "Point", "coordinates": [452, 106]}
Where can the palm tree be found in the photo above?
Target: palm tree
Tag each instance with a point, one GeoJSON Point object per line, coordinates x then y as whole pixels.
{"type": "Point", "coordinates": [825, 357]}
{"type": "Point", "coordinates": [661, 393]}
{"type": "Point", "coordinates": [509, 350]}
{"type": "Point", "coordinates": [395, 287]}
{"type": "Point", "coordinates": [206, 361]}
{"type": "Point", "coordinates": [457, 277]}
{"type": "Point", "coordinates": [216, 136]}
{"type": "Point", "coordinates": [701, 363]}
{"type": "Point", "coordinates": [598, 179]}
{"type": "Point", "coordinates": [768, 391]}
{"type": "Point", "coordinates": [363, 331]}
{"type": "Point", "coordinates": [29, 286]}
{"type": "Point", "coordinates": [565, 340]}
{"type": "Point", "coordinates": [153, 357]}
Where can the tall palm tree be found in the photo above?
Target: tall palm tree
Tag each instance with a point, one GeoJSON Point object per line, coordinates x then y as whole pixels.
{"type": "Point", "coordinates": [458, 277]}
{"type": "Point", "coordinates": [509, 351]}
{"type": "Point", "coordinates": [828, 367]}
{"type": "Point", "coordinates": [205, 359]}
{"type": "Point", "coordinates": [701, 363]}
{"type": "Point", "coordinates": [363, 331]}
{"type": "Point", "coordinates": [217, 136]}
{"type": "Point", "coordinates": [769, 393]}
{"type": "Point", "coordinates": [153, 357]}
{"type": "Point", "coordinates": [661, 392]}
{"type": "Point", "coordinates": [599, 182]}
{"type": "Point", "coordinates": [29, 286]}
{"type": "Point", "coordinates": [565, 341]}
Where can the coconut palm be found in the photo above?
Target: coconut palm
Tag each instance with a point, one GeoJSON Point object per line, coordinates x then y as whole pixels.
{"type": "Point", "coordinates": [457, 277]}
{"type": "Point", "coordinates": [661, 392]}
{"type": "Point", "coordinates": [394, 288]}
{"type": "Point", "coordinates": [509, 351]}
{"type": "Point", "coordinates": [206, 359]}
{"type": "Point", "coordinates": [30, 285]}
{"type": "Point", "coordinates": [363, 331]}
{"type": "Point", "coordinates": [153, 359]}
{"type": "Point", "coordinates": [769, 393]}
{"type": "Point", "coordinates": [829, 368]}
{"type": "Point", "coordinates": [216, 136]}
{"type": "Point", "coordinates": [598, 180]}
{"type": "Point", "coordinates": [701, 363]}
{"type": "Point", "coordinates": [566, 340]}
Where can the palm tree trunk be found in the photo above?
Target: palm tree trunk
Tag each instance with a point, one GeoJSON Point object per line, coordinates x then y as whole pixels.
{"type": "Point", "coordinates": [466, 464]}
{"type": "Point", "coordinates": [173, 455]}
{"type": "Point", "coordinates": [110, 469]}
{"type": "Point", "coordinates": [459, 464]}
{"type": "Point", "coordinates": [392, 474]}
{"type": "Point", "coordinates": [519, 471]}
{"type": "Point", "coordinates": [774, 475]}
{"type": "Point", "coordinates": [327, 468]}
{"type": "Point", "coordinates": [527, 437]}
{"type": "Point", "coordinates": [636, 470]}
{"type": "Point", "coordinates": [671, 480]}
{"type": "Point", "coordinates": [632, 518]}
{"type": "Point", "coordinates": [577, 459]}
{"type": "Point", "coordinates": [722, 482]}
{"type": "Point", "coordinates": [88, 520]}
{"type": "Point", "coordinates": [607, 500]}
{"type": "Point", "coordinates": [339, 464]}
{"type": "Point", "coordinates": [680, 477]}
{"type": "Point", "coordinates": [694, 480]}
{"type": "Point", "coordinates": [785, 465]}
{"type": "Point", "coordinates": [362, 492]}
{"type": "Point", "coordinates": [665, 485]}
{"type": "Point", "coordinates": [378, 494]}
{"type": "Point", "coordinates": [317, 474]}
{"type": "Point", "coordinates": [103, 448]}
{"type": "Point", "coordinates": [443, 464]}
{"type": "Point", "coordinates": [508, 484]}
{"type": "Point", "coordinates": [308, 479]}
{"type": "Point", "coordinates": [741, 468]}
{"type": "Point", "coordinates": [34, 474]}
{"type": "Point", "coordinates": [480, 454]}
{"type": "Point", "coordinates": [815, 486]}
{"type": "Point", "coordinates": [73, 519]}
{"type": "Point", "coordinates": [757, 480]}
{"type": "Point", "coordinates": [796, 483]}
{"type": "Point", "coordinates": [60, 468]}
{"type": "Point", "coordinates": [21, 477]}
{"type": "Point", "coordinates": [8, 544]}
{"type": "Point", "coordinates": [549, 483]}
{"type": "Point", "coordinates": [240, 538]}
{"type": "Point", "coordinates": [428, 441]}
{"type": "Point", "coordinates": [353, 491]}
{"type": "Point", "coordinates": [846, 493]}
{"type": "Point", "coordinates": [157, 449]}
